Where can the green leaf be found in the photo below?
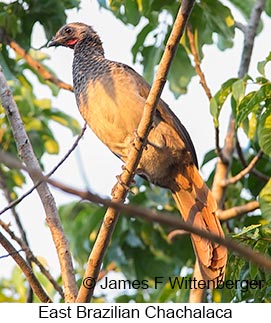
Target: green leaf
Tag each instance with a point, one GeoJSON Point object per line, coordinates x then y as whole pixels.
{"type": "Point", "coordinates": [265, 201]}
{"type": "Point", "coordinates": [264, 133]}
{"type": "Point", "coordinates": [218, 17]}
{"type": "Point", "coordinates": [268, 7]}
{"type": "Point", "coordinates": [51, 145]}
{"type": "Point", "coordinates": [6, 64]}
{"type": "Point", "coordinates": [210, 155]}
{"type": "Point", "coordinates": [180, 73]}
{"type": "Point", "coordinates": [54, 88]}
{"type": "Point", "coordinates": [244, 6]}
{"type": "Point", "coordinates": [238, 89]}
{"type": "Point", "coordinates": [127, 12]}
{"type": "Point", "coordinates": [81, 221]}
{"type": "Point", "coordinates": [151, 58]}
{"type": "Point", "coordinates": [252, 126]}
{"type": "Point", "coordinates": [132, 13]}
{"type": "Point", "coordinates": [252, 102]}
{"type": "Point", "coordinates": [219, 99]}
{"type": "Point", "coordinates": [140, 39]}
{"type": "Point", "coordinates": [245, 230]}
{"type": "Point", "coordinates": [261, 65]}
{"type": "Point", "coordinates": [63, 119]}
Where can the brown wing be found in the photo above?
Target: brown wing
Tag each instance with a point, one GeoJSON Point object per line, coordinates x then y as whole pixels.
{"type": "Point", "coordinates": [165, 113]}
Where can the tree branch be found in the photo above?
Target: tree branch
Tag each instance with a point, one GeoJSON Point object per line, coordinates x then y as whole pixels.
{"type": "Point", "coordinates": [38, 67]}
{"type": "Point", "coordinates": [12, 162]}
{"type": "Point", "coordinates": [32, 258]}
{"type": "Point", "coordinates": [253, 171]}
{"type": "Point", "coordinates": [120, 190]}
{"type": "Point", "coordinates": [235, 211]}
{"type": "Point", "coordinates": [27, 155]}
{"type": "Point", "coordinates": [202, 78]}
{"type": "Point", "coordinates": [26, 269]}
{"type": "Point", "coordinates": [224, 161]}
{"type": "Point", "coordinates": [7, 193]}
{"type": "Point", "coordinates": [244, 171]}
{"type": "Point", "coordinates": [249, 36]}
{"type": "Point", "coordinates": [175, 222]}
{"type": "Point", "coordinates": [240, 26]}
{"type": "Point", "coordinates": [198, 69]}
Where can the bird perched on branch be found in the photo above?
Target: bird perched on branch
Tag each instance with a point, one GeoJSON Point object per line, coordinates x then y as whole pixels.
{"type": "Point", "coordinates": [111, 97]}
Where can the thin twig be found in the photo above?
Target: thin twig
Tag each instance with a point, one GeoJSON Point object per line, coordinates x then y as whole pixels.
{"type": "Point", "coordinates": [198, 69]}
{"type": "Point", "coordinates": [202, 77]}
{"type": "Point", "coordinates": [254, 171]}
{"type": "Point", "coordinates": [120, 191]}
{"type": "Point", "coordinates": [26, 153]}
{"type": "Point", "coordinates": [240, 26]}
{"type": "Point", "coordinates": [32, 257]}
{"type": "Point", "coordinates": [38, 67]}
{"type": "Point", "coordinates": [26, 269]}
{"type": "Point", "coordinates": [175, 233]}
{"type": "Point", "coordinates": [12, 162]}
{"type": "Point", "coordinates": [7, 193]}
{"type": "Point", "coordinates": [244, 171]}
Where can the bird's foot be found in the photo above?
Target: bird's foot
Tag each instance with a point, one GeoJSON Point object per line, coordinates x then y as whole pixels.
{"type": "Point", "coordinates": [120, 182]}
{"type": "Point", "coordinates": [138, 138]}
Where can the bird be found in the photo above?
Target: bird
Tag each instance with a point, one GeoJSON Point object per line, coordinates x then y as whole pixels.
{"type": "Point", "coordinates": [111, 96]}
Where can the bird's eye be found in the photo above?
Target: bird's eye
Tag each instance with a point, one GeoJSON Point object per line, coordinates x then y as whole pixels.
{"type": "Point", "coordinates": [68, 30]}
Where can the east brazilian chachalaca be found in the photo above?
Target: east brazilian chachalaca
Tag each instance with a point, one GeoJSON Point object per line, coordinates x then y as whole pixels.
{"type": "Point", "coordinates": [111, 97]}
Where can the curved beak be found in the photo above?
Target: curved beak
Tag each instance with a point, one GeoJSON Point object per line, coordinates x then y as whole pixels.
{"type": "Point", "coordinates": [55, 42]}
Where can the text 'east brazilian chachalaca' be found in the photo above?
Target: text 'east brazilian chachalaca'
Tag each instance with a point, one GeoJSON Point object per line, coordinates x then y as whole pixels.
{"type": "Point", "coordinates": [111, 97]}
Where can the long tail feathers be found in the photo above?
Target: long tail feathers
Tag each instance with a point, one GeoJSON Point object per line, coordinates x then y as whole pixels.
{"type": "Point", "coordinates": [197, 206]}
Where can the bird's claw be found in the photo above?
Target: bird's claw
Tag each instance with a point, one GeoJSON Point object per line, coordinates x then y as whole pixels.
{"type": "Point", "coordinates": [115, 188]}
{"type": "Point", "coordinates": [140, 139]}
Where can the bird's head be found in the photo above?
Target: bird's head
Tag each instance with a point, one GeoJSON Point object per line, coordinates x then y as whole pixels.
{"type": "Point", "coordinates": [70, 34]}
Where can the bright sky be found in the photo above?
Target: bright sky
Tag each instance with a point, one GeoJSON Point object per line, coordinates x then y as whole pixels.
{"type": "Point", "coordinates": [99, 166]}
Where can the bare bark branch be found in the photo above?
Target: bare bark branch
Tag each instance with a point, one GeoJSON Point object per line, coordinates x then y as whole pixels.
{"type": "Point", "coordinates": [26, 269]}
{"type": "Point", "coordinates": [27, 155]}
{"type": "Point", "coordinates": [32, 257]}
{"type": "Point", "coordinates": [203, 81]}
{"type": "Point", "coordinates": [175, 222]}
{"type": "Point", "coordinates": [172, 235]}
{"type": "Point", "coordinates": [223, 166]}
{"type": "Point", "coordinates": [244, 171]}
{"type": "Point", "coordinates": [223, 215]}
{"type": "Point", "coordinates": [198, 69]}
{"type": "Point", "coordinates": [7, 193]}
{"type": "Point", "coordinates": [240, 26]}
{"type": "Point", "coordinates": [224, 162]}
{"type": "Point", "coordinates": [120, 190]}
{"type": "Point", "coordinates": [38, 67]}
{"type": "Point", "coordinates": [253, 171]}
{"type": "Point", "coordinates": [249, 36]}
{"type": "Point", "coordinates": [235, 211]}
{"type": "Point", "coordinates": [168, 219]}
